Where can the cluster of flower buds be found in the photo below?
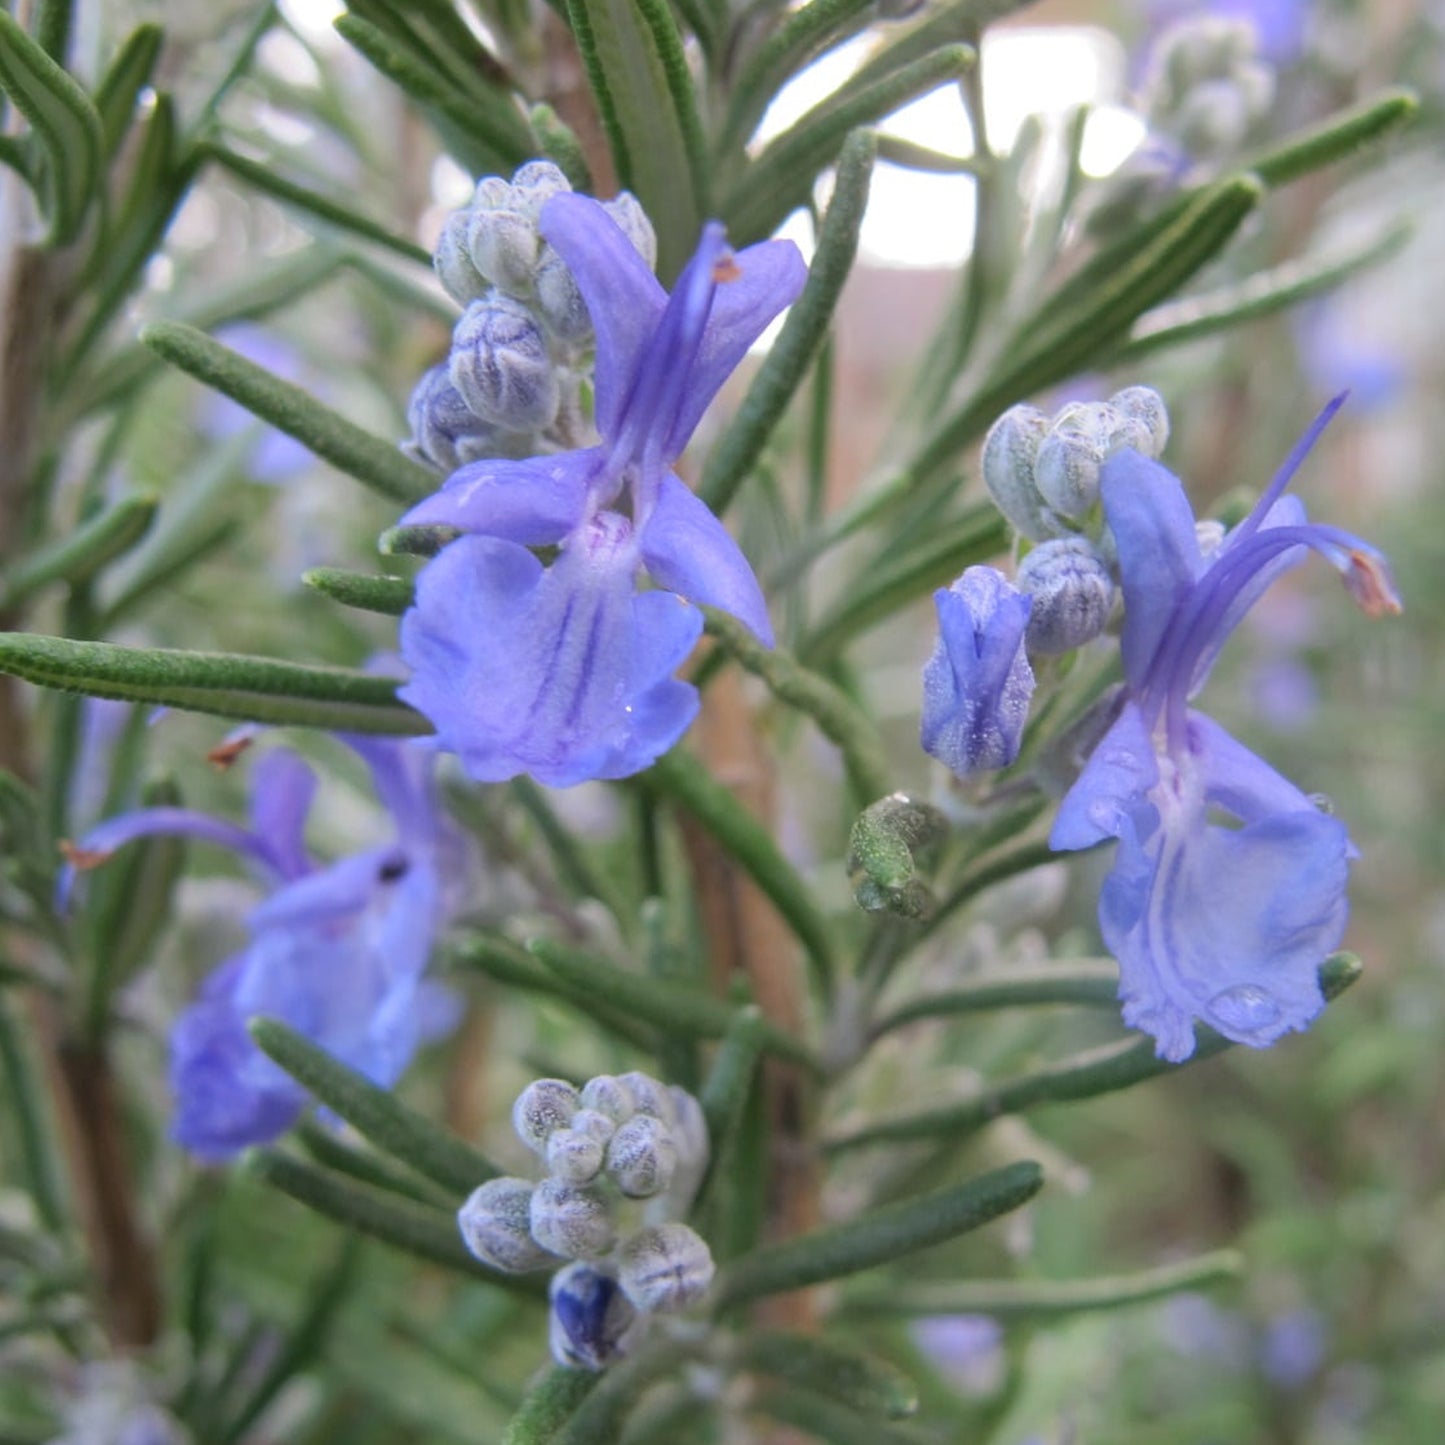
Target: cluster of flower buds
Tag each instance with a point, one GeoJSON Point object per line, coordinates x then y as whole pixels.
{"type": "Point", "coordinates": [1044, 475]}
{"type": "Point", "coordinates": [509, 386]}
{"type": "Point", "coordinates": [618, 1139]}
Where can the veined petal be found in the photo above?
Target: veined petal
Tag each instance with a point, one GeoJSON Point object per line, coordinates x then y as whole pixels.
{"type": "Point", "coordinates": [1237, 924]}
{"type": "Point", "coordinates": [535, 502]}
{"type": "Point", "coordinates": [688, 551]}
{"type": "Point", "coordinates": [1107, 796]}
{"type": "Point", "coordinates": [1153, 527]}
{"type": "Point", "coordinates": [752, 287]}
{"type": "Point", "coordinates": [624, 299]}
{"type": "Point", "coordinates": [1238, 780]}
{"type": "Point", "coordinates": [282, 789]}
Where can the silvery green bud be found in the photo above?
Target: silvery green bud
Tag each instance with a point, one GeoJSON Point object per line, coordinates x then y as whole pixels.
{"type": "Point", "coordinates": [595, 1123]}
{"type": "Point", "coordinates": [689, 1129]}
{"type": "Point", "coordinates": [542, 1108]}
{"type": "Point", "coordinates": [1213, 119]}
{"type": "Point", "coordinates": [560, 303]}
{"type": "Point", "coordinates": [1072, 593]}
{"type": "Point", "coordinates": [648, 1096]}
{"type": "Point", "coordinates": [535, 183]}
{"type": "Point", "coordinates": [590, 1318]}
{"type": "Point", "coordinates": [500, 364]}
{"type": "Point", "coordinates": [610, 1096]}
{"type": "Point", "coordinates": [502, 235]}
{"type": "Point", "coordinates": [446, 433]}
{"type": "Point", "coordinates": [496, 1225]}
{"type": "Point", "coordinates": [453, 260]}
{"type": "Point", "coordinates": [642, 1157]}
{"type": "Point", "coordinates": [1144, 405]}
{"type": "Point", "coordinates": [1066, 470]}
{"type": "Point", "coordinates": [626, 210]}
{"type": "Point", "coordinates": [1009, 452]}
{"type": "Point", "coordinates": [573, 1157]}
{"type": "Point", "coordinates": [571, 1222]}
{"type": "Point", "coordinates": [665, 1267]}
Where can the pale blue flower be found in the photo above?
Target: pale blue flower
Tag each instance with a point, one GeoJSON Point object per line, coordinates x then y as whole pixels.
{"type": "Point", "coordinates": [564, 670]}
{"type": "Point", "coordinates": [1228, 887]}
{"type": "Point", "coordinates": [978, 683]}
{"type": "Point", "coordinates": [338, 952]}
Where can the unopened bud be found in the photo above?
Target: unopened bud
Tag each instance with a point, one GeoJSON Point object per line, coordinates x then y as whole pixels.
{"type": "Point", "coordinates": [500, 364]}
{"type": "Point", "coordinates": [594, 1123]}
{"type": "Point", "coordinates": [496, 1225]}
{"type": "Point", "coordinates": [610, 1096]}
{"type": "Point", "coordinates": [1072, 593]}
{"type": "Point", "coordinates": [453, 260]}
{"type": "Point", "coordinates": [571, 1222]}
{"type": "Point", "coordinates": [1144, 405]}
{"type": "Point", "coordinates": [541, 1109]}
{"type": "Point", "coordinates": [642, 1157]}
{"type": "Point", "coordinates": [590, 1318]}
{"type": "Point", "coordinates": [689, 1128]}
{"type": "Point", "coordinates": [1009, 452]}
{"type": "Point", "coordinates": [573, 1157]}
{"type": "Point", "coordinates": [648, 1096]}
{"type": "Point", "coordinates": [446, 433]}
{"type": "Point", "coordinates": [665, 1267]}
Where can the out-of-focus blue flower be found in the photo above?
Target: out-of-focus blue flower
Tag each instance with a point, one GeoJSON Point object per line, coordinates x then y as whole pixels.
{"type": "Point", "coordinates": [1279, 24]}
{"type": "Point", "coordinates": [1221, 922]}
{"type": "Point", "coordinates": [337, 952]}
{"type": "Point", "coordinates": [564, 671]}
{"type": "Point", "coordinates": [966, 1349]}
{"type": "Point", "coordinates": [978, 683]}
{"type": "Point", "coordinates": [1294, 1348]}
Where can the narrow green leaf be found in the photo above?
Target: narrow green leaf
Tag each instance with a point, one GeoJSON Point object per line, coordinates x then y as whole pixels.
{"type": "Point", "coordinates": [804, 330]}
{"type": "Point", "coordinates": [1080, 1076]}
{"type": "Point", "coordinates": [393, 1127]}
{"type": "Point", "coordinates": [802, 35]}
{"type": "Point", "coordinates": [124, 79]}
{"type": "Point", "coordinates": [682, 778]}
{"type": "Point", "coordinates": [638, 73]}
{"type": "Point", "coordinates": [560, 145]}
{"type": "Point", "coordinates": [843, 1374]}
{"type": "Point", "coordinates": [885, 1234]}
{"type": "Point", "coordinates": [914, 157]}
{"type": "Point", "coordinates": [326, 1148]}
{"type": "Point", "coordinates": [574, 865]}
{"type": "Point", "coordinates": [505, 961]}
{"type": "Point", "coordinates": [82, 554]}
{"type": "Point", "coordinates": [1335, 138]}
{"type": "Point", "coordinates": [488, 136]}
{"type": "Point", "coordinates": [1058, 340]}
{"type": "Point", "coordinates": [599, 1418]}
{"type": "Point", "coordinates": [429, 1234]}
{"type": "Point", "coordinates": [724, 1095]}
{"type": "Point", "coordinates": [553, 1401]}
{"type": "Point", "coordinates": [53, 21]}
{"type": "Point", "coordinates": [669, 1006]}
{"type": "Point", "coordinates": [1192, 317]}
{"type": "Point", "coordinates": [1012, 1299]}
{"type": "Point", "coordinates": [16, 154]}
{"type": "Point", "coordinates": [370, 459]}
{"type": "Point", "coordinates": [37, 1134]}
{"type": "Point", "coordinates": [974, 536]}
{"type": "Point", "coordinates": [1083, 981]}
{"type": "Point", "coordinates": [302, 1345]}
{"type": "Point", "coordinates": [264, 178]}
{"type": "Point", "coordinates": [434, 32]}
{"type": "Point", "coordinates": [388, 595]}
{"type": "Point", "coordinates": [781, 176]}
{"type": "Point", "coordinates": [64, 122]}
{"type": "Point", "coordinates": [828, 1420]}
{"type": "Point", "coordinates": [837, 716]}
{"type": "Point", "coordinates": [261, 689]}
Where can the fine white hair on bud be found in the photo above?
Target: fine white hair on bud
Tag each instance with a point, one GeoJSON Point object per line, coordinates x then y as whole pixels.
{"type": "Point", "coordinates": [542, 1108]}
{"type": "Point", "coordinates": [609, 1095]}
{"type": "Point", "coordinates": [573, 1157]}
{"type": "Point", "coordinates": [642, 1157]}
{"type": "Point", "coordinates": [1072, 594]}
{"type": "Point", "coordinates": [648, 1096]}
{"type": "Point", "coordinates": [495, 1224]}
{"type": "Point", "coordinates": [665, 1268]}
{"type": "Point", "coordinates": [570, 1221]}
{"type": "Point", "coordinates": [1010, 451]}
{"type": "Point", "coordinates": [500, 364]}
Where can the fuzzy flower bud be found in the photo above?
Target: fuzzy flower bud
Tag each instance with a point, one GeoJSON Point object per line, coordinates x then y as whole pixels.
{"type": "Point", "coordinates": [648, 1096]}
{"type": "Point", "coordinates": [1144, 405]}
{"type": "Point", "coordinates": [1072, 594]}
{"type": "Point", "coordinates": [500, 364]}
{"type": "Point", "coordinates": [590, 1318]}
{"type": "Point", "coordinates": [665, 1268]}
{"type": "Point", "coordinates": [689, 1129]}
{"type": "Point", "coordinates": [495, 1224]}
{"type": "Point", "coordinates": [571, 1222]}
{"type": "Point", "coordinates": [1009, 452]}
{"type": "Point", "coordinates": [573, 1157]}
{"type": "Point", "coordinates": [447, 433]}
{"type": "Point", "coordinates": [642, 1157]}
{"type": "Point", "coordinates": [453, 261]}
{"type": "Point", "coordinates": [541, 1109]}
{"type": "Point", "coordinates": [594, 1123]}
{"type": "Point", "coordinates": [610, 1096]}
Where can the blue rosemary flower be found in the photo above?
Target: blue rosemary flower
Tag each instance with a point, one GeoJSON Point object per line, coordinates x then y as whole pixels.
{"type": "Point", "coordinates": [337, 952]}
{"type": "Point", "coordinates": [1228, 887]}
{"type": "Point", "coordinates": [978, 683]}
{"type": "Point", "coordinates": [564, 671]}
